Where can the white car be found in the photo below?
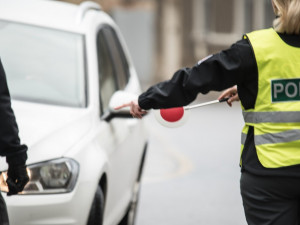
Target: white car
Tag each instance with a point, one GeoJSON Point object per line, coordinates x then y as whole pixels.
{"type": "Point", "coordinates": [67, 66]}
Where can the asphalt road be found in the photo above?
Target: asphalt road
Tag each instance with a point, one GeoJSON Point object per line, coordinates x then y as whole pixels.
{"type": "Point", "coordinates": [192, 173]}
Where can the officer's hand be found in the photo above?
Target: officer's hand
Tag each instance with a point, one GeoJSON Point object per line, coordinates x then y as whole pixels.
{"type": "Point", "coordinates": [17, 178]}
{"type": "Point", "coordinates": [135, 110]}
{"type": "Point", "coordinates": [230, 93]}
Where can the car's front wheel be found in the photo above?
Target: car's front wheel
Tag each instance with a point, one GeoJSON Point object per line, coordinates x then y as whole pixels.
{"type": "Point", "coordinates": [96, 212]}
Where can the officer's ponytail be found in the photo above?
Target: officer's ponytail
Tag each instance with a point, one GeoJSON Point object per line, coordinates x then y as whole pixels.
{"type": "Point", "coordinates": [287, 16]}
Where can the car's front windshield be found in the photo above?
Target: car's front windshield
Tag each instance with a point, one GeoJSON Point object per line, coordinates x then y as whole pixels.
{"type": "Point", "coordinates": [43, 65]}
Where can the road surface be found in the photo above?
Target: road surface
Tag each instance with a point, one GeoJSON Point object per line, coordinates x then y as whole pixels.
{"type": "Point", "coordinates": [192, 173]}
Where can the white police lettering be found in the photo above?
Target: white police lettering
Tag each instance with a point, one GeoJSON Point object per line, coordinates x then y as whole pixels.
{"type": "Point", "coordinates": [286, 90]}
{"type": "Point", "coordinates": [291, 94]}
{"type": "Point", "coordinates": [278, 88]}
{"type": "Point", "coordinates": [202, 60]}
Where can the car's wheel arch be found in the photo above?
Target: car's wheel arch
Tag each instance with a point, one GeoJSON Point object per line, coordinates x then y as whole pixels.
{"type": "Point", "coordinates": [103, 185]}
{"type": "Point", "coordinates": [98, 203]}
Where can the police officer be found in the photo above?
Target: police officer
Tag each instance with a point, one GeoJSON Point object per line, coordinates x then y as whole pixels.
{"type": "Point", "coordinates": [265, 67]}
{"type": "Point", "coordinates": [10, 147]}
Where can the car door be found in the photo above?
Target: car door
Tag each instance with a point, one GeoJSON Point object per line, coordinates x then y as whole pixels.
{"type": "Point", "coordinates": [123, 163]}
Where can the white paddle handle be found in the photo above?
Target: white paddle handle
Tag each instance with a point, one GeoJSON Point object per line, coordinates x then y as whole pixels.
{"type": "Point", "coordinates": [205, 103]}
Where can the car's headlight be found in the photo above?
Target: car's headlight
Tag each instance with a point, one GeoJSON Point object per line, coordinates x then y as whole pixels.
{"type": "Point", "coordinates": [55, 176]}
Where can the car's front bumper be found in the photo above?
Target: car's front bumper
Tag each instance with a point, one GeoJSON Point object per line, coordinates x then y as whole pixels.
{"type": "Point", "coordinates": [51, 209]}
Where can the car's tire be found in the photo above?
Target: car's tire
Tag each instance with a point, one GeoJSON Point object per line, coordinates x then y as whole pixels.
{"type": "Point", "coordinates": [96, 212]}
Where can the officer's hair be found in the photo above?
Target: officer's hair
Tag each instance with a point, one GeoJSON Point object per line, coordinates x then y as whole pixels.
{"type": "Point", "coordinates": [287, 16]}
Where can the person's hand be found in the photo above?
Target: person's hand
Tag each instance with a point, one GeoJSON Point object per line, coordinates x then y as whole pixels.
{"type": "Point", "coordinates": [230, 93]}
{"type": "Point", "coordinates": [135, 110]}
{"type": "Point", "coordinates": [17, 178]}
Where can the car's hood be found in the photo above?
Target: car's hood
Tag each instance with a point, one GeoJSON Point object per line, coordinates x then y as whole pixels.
{"type": "Point", "coordinates": [49, 131]}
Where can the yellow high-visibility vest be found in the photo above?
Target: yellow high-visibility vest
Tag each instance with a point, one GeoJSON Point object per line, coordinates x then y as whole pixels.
{"type": "Point", "coordinates": [276, 115]}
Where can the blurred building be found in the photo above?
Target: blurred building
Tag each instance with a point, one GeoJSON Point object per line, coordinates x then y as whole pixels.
{"type": "Point", "coordinates": [164, 35]}
{"type": "Point", "coordinates": [192, 29]}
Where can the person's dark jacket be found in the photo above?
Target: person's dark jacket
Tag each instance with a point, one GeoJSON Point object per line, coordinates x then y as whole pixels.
{"type": "Point", "coordinates": [10, 146]}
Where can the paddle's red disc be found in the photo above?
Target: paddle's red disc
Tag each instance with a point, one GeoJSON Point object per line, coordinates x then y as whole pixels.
{"type": "Point", "coordinates": [172, 114]}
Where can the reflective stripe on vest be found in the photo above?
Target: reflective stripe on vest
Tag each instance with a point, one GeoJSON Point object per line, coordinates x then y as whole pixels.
{"type": "Point", "coordinates": [271, 117]}
{"type": "Point", "coordinates": [276, 114]}
{"type": "Point", "coordinates": [281, 137]}
{"type": "Point", "coordinates": [243, 138]}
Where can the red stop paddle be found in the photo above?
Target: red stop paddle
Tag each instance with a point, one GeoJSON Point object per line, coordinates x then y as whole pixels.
{"type": "Point", "coordinates": [175, 117]}
{"type": "Point", "coordinates": [172, 114]}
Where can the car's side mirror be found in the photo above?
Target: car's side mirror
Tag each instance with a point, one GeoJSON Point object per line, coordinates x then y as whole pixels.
{"type": "Point", "coordinates": [119, 98]}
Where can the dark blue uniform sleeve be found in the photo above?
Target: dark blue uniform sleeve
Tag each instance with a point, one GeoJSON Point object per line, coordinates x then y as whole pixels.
{"type": "Point", "coordinates": [10, 146]}
{"type": "Point", "coordinates": [234, 66]}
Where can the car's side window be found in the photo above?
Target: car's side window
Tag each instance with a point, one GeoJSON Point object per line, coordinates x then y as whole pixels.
{"type": "Point", "coordinates": [107, 80]}
{"type": "Point", "coordinates": [112, 64]}
{"type": "Point", "coordinates": [118, 56]}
